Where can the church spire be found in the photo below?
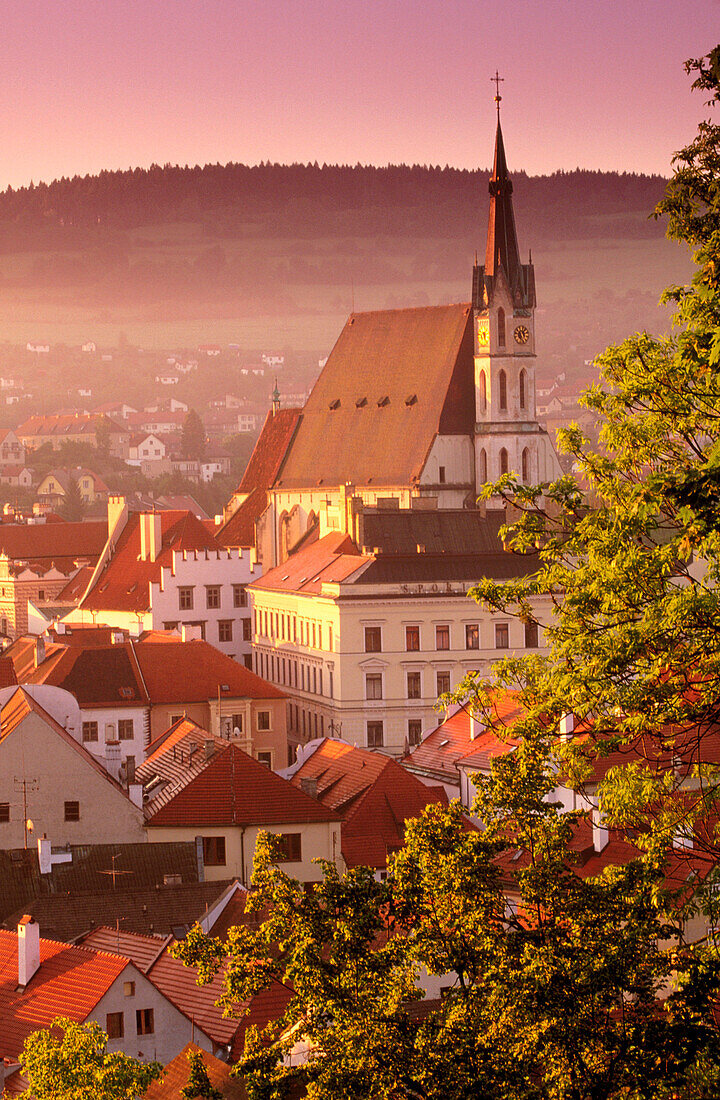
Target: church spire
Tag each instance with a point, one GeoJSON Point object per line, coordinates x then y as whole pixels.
{"type": "Point", "coordinates": [501, 249]}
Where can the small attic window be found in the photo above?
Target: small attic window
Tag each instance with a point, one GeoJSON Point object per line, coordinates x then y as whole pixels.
{"type": "Point", "coordinates": [411, 399]}
{"type": "Point", "coordinates": [361, 403]}
{"type": "Point", "coordinates": [383, 401]}
{"type": "Point", "coordinates": [334, 404]}
{"type": "Point", "coordinates": [225, 687]}
{"type": "Point", "coordinates": [126, 692]}
{"type": "Point", "coordinates": [132, 587]}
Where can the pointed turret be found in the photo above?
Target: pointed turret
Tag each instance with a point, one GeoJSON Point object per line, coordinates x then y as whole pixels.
{"type": "Point", "coordinates": [501, 250]}
{"type": "Point", "coordinates": [502, 247]}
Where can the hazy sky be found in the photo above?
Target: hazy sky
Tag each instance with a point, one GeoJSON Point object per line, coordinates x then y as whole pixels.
{"type": "Point", "coordinates": [92, 84]}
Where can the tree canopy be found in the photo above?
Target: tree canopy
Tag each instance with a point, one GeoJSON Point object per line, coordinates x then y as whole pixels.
{"type": "Point", "coordinates": [76, 1065]}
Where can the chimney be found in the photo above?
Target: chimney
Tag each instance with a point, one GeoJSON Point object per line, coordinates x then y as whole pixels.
{"type": "Point", "coordinates": [135, 794]}
{"type": "Point", "coordinates": [44, 855]}
{"type": "Point", "coordinates": [209, 748]}
{"type": "Point", "coordinates": [476, 728]}
{"type": "Point", "coordinates": [28, 949]}
{"type": "Point", "coordinates": [599, 830]}
{"type": "Point", "coordinates": [39, 650]}
{"type": "Point", "coordinates": [309, 784]}
{"type": "Point", "coordinates": [150, 535]}
{"type": "Point", "coordinates": [130, 769]}
{"type": "Point", "coordinates": [567, 725]}
{"type": "Point", "coordinates": [117, 513]}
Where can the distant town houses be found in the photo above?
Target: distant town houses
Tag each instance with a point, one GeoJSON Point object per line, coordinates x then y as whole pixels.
{"type": "Point", "coordinates": [88, 428]}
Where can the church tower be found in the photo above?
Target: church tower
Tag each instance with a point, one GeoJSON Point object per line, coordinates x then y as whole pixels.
{"type": "Point", "coordinates": [508, 438]}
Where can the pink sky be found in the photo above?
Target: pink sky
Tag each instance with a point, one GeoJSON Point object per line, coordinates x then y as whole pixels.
{"type": "Point", "coordinates": [93, 84]}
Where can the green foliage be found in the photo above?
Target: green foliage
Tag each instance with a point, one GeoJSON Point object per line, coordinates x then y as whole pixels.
{"type": "Point", "coordinates": [553, 983]}
{"type": "Point", "coordinates": [76, 1065]}
{"type": "Point", "coordinates": [199, 1084]}
{"type": "Point", "coordinates": [73, 506]}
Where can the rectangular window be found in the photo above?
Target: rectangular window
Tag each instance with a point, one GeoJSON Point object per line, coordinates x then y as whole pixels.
{"type": "Point", "coordinates": [441, 474]}
{"type": "Point", "coordinates": [213, 851]}
{"type": "Point", "coordinates": [129, 989]}
{"type": "Point", "coordinates": [373, 639]}
{"type": "Point", "coordinates": [4, 811]}
{"type": "Point", "coordinates": [531, 635]}
{"type": "Point", "coordinates": [443, 682]}
{"type": "Point", "coordinates": [236, 723]}
{"type": "Point", "coordinates": [239, 595]}
{"type": "Point", "coordinates": [265, 758]}
{"type": "Point", "coordinates": [89, 731]}
{"type": "Point", "coordinates": [126, 729]}
{"type": "Point", "coordinates": [412, 639]}
{"type": "Point", "coordinates": [72, 811]}
{"type": "Point", "coordinates": [291, 848]}
{"type": "Point", "coordinates": [330, 637]}
{"type": "Point", "coordinates": [248, 661]}
{"type": "Point", "coordinates": [472, 636]}
{"type": "Point", "coordinates": [225, 630]}
{"type": "Point", "coordinates": [442, 637]}
{"type": "Point", "coordinates": [247, 630]}
{"type": "Point", "coordinates": [414, 731]}
{"type": "Point", "coordinates": [145, 1021]}
{"type": "Point", "coordinates": [373, 687]}
{"type": "Point", "coordinates": [175, 718]}
{"type": "Point", "coordinates": [185, 599]}
{"type": "Point", "coordinates": [115, 1024]}
{"type": "Point", "coordinates": [502, 636]}
{"type": "Point", "coordinates": [263, 719]}
{"type": "Point", "coordinates": [375, 736]}
{"type": "Point", "coordinates": [212, 596]}
{"type": "Point", "coordinates": [414, 685]}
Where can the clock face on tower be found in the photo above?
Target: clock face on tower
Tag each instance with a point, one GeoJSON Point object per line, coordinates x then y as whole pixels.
{"type": "Point", "coordinates": [483, 333]}
{"type": "Point", "coordinates": [522, 335]}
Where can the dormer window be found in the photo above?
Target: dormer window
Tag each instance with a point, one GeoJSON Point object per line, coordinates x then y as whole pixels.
{"type": "Point", "coordinates": [334, 404]}
{"type": "Point", "coordinates": [383, 401]}
{"type": "Point", "coordinates": [361, 403]}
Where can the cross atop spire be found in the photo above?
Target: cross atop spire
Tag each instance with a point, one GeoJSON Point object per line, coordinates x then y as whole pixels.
{"type": "Point", "coordinates": [497, 80]}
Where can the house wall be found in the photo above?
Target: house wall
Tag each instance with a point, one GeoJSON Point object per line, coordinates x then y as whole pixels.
{"type": "Point", "coordinates": [108, 748]}
{"type": "Point", "coordinates": [173, 1030]}
{"type": "Point", "coordinates": [54, 772]}
{"type": "Point", "coordinates": [320, 840]}
{"type": "Point", "coordinates": [17, 588]}
{"type": "Point", "coordinates": [326, 682]}
{"type": "Point", "coordinates": [216, 719]}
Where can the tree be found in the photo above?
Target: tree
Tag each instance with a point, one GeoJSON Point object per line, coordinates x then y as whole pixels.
{"type": "Point", "coordinates": [76, 1065]}
{"type": "Point", "coordinates": [193, 436]}
{"type": "Point", "coordinates": [554, 983]}
{"type": "Point", "coordinates": [199, 1084]}
{"type": "Point", "coordinates": [73, 506]}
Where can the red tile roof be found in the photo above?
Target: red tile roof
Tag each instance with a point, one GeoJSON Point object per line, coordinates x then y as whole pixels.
{"type": "Point", "coordinates": [451, 744]}
{"type": "Point", "coordinates": [176, 1074]}
{"type": "Point", "coordinates": [175, 981]}
{"type": "Point", "coordinates": [239, 530]}
{"type": "Point", "coordinates": [60, 544]}
{"type": "Point", "coordinates": [70, 982]}
{"type": "Point", "coordinates": [374, 795]}
{"type": "Point", "coordinates": [233, 789]}
{"type": "Point", "coordinates": [176, 671]}
{"type": "Point", "coordinates": [123, 584]}
{"type": "Point", "coordinates": [331, 559]}
{"type": "Point", "coordinates": [377, 425]}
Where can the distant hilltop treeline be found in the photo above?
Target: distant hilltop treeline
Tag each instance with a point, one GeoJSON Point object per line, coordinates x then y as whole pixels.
{"type": "Point", "coordinates": [311, 200]}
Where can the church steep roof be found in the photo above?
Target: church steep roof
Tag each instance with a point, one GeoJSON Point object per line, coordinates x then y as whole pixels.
{"type": "Point", "coordinates": [394, 380]}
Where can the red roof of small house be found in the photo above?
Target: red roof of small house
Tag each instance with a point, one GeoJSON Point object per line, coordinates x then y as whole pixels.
{"type": "Point", "coordinates": [239, 530]}
{"type": "Point", "coordinates": [452, 744]}
{"type": "Point", "coordinates": [69, 982]}
{"type": "Point", "coordinates": [175, 1077]}
{"type": "Point", "coordinates": [124, 583]}
{"type": "Point", "coordinates": [175, 981]}
{"type": "Point", "coordinates": [331, 560]}
{"type": "Point", "coordinates": [233, 789]}
{"type": "Point", "coordinates": [97, 675]}
{"type": "Point", "coordinates": [59, 544]}
{"type": "Point", "coordinates": [374, 795]}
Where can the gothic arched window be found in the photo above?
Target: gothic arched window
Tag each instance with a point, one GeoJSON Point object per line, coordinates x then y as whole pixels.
{"type": "Point", "coordinates": [503, 461]}
{"type": "Point", "coordinates": [523, 388]}
{"type": "Point", "coordinates": [483, 467]}
{"type": "Point", "coordinates": [482, 387]}
{"type": "Point", "coordinates": [502, 389]}
{"type": "Point", "coordinates": [526, 465]}
{"type": "Point", "coordinates": [501, 328]}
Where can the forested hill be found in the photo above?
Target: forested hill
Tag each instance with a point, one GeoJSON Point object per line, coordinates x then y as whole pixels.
{"type": "Point", "coordinates": [238, 201]}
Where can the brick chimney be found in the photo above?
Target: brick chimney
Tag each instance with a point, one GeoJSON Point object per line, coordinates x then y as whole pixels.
{"type": "Point", "coordinates": [150, 535]}
{"type": "Point", "coordinates": [28, 949]}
